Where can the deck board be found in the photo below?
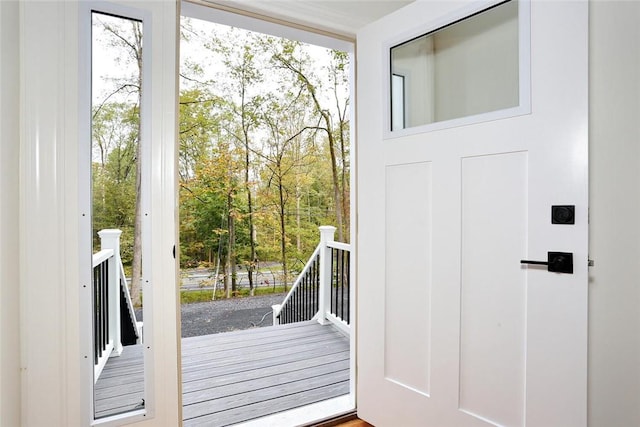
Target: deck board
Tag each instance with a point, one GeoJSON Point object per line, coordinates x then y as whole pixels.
{"type": "Point", "coordinates": [120, 387]}
{"type": "Point", "coordinates": [237, 376]}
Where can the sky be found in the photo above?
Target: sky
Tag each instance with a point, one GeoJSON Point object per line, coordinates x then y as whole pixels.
{"type": "Point", "coordinates": [197, 52]}
{"type": "Point", "coordinates": [108, 62]}
{"type": "Point", "coordinates": [111, 65]}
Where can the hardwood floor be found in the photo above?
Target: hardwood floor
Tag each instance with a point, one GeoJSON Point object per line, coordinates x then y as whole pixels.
{"type": "Point", "coordinates": [355, 423]}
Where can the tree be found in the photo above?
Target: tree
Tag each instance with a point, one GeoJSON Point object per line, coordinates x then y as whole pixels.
{"type": "Point", "coordinates": [287, 121]}
{"type": "Point", "coordinates": [264, 152]}
{"type": "Point", "coordinates": [199, 125]}
{"type": "Point", "coordinates": [338, 69]}
{"type": "Point", "coordinates": [288, 55]}
{"type": "Point", "coordinates": [244, 74]}
{"type": "Point", "coordinates": [125, 35]}
{"type": "Point", "coordinates": [201, 209]}
{"type": "Point", "coordinates": [115, 137]}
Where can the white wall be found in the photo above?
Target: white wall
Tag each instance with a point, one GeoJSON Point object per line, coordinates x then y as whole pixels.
{"type": "Point", "coordinates": [9, 202]}
{"type": "Point", "coordinates": [48, 214]}
{"type": "Point", "coordinates": [614, 301]}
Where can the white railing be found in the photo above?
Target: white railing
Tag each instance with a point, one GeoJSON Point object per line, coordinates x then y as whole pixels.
{"type": "Point", "coordinates": [308, 276]}
{"type": "Point", "coordinates": [321, 291]}
{"type": "Point", "coordinates": [106, 300]}
{"type": "Point", "coordinates": [108, 281]}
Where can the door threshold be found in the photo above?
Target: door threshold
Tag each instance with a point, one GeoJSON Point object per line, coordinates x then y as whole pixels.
{"type": "Point", "coordinates": [309, 415]}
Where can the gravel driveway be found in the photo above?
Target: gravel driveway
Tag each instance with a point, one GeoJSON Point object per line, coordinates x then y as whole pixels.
{"type": "Point", "coordinates": [226, 315]}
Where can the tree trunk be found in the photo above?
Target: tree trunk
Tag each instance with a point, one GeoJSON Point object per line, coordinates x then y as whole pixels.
{"type": "Point", "coordinates": [247, 187]}
{"type": "Point", "coordinates": [283, 235]}
{"type": "Point", "coordinates": [337, 199]}
{"type": "Point", "coordinates": [252, 238]}
{"type": "Point", "coordinates": [298, 221]}
{"type": "Point", "coordinates": [336, 186]}
{"type": "Point", "coordinates": [227, 288]}
{"type": "Point", "coordinates": [232, 246]}
{"type": "Point", "coordinates": [345, 186]}
{"type": "Point", "coordinates": [136, 264]}
{"type": "Point", "coordinates": [342, 137]}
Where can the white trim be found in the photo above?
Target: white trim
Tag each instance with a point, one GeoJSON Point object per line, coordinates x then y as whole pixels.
{"type": "Point", "coordinates": [86, 8]}
{"type": "Point", "coordinates": [339, 245]}
{"type": "Point", "coordinates": [101, 256]}
{"type": "Point", "coordinates": [212, 14]}
{"type": "Point", "coordinates": [85, 245]}
{"type": "Point", "coordinates": [10, 280]}
{"type": "Point", "coordinates": [524, 52]}
{"type": "Point", "coordinates": [353, 228]}
{"type": "Point", "coordinates": [121, 419]}
{"type": "Point", "coordinates": [306, 414]}
{"type": "Point", "coordinates": [147, 128]}
{"type": "Point", "coordinates": [338, 322]}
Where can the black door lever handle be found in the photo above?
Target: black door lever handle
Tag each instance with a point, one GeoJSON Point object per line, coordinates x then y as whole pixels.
{"type": "Point", "coordinates": [526, 261]}
{"type": "Point", "coordinates": [557, 262]}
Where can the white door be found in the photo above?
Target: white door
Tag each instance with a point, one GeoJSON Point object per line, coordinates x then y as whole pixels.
{"type": "Point", "coordinates": [452, 329]}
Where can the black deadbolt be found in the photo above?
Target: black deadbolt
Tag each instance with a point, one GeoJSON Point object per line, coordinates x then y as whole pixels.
{"type": "Point", "coordinates": [565, 214]}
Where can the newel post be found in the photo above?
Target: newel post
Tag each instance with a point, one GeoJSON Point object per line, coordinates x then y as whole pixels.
{"type": "Point", "coordinates": [110, 239]}
{"type": "Point", "coordinates": [275, 308]}
{"type": "Point", "coordinates": [327, 233]}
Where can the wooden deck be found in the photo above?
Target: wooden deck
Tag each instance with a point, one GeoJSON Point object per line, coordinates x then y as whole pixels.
{"type": "Point", "coordinates": [238, 376]}
{"type": "Point", "coordinates": [120, 386]}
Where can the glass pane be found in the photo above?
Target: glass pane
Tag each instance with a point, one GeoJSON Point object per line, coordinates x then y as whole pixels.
{"type": "Point", "coordinates": [116, 77]}
{"type": "Point", "coordinates": [466, 68]}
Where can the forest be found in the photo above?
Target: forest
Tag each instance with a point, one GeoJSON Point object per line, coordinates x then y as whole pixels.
{"type": "Point", "coordinates": [263, 147]}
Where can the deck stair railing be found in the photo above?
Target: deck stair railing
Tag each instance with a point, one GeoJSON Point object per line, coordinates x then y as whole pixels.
{"type": "Point", "coordinates": [321, 291]}
{"type": "Point", "coordinates": [303, 300]}
{"type": "Point", "coordinates": [109, 290]}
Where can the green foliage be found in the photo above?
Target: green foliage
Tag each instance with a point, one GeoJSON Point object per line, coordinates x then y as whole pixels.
{"type": "Point", "coordinates": [115, 135]}
{"type": "Point", "coordinates": [204, 295]}
{"type": "Point", "coordinates": [256, 141]}
{"type": "Point", "coordinates": [259, 120]}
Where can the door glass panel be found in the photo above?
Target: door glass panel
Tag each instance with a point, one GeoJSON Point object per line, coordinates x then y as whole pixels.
{"type": "Point", "coordinates": [466, 68]}
{"type": "Point", "coordinates": [116, 176]}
